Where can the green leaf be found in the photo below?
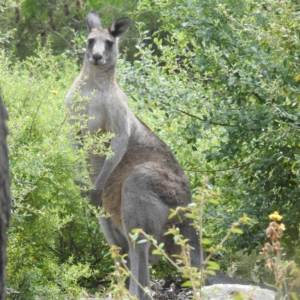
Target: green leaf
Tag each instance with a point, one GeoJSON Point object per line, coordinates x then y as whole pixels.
{"type": "Point", "coordinates": [206, 241]}
{"type": "Point", "coordinates": [294, 296]}
{"type": "Point", "coordinates": [210, 272]}
{"type": "Point", "coordinates": [237, 230]}
{"type": "Point", "coordinates": [213, 201]}
{"type": "Point", "coordinates": [191, 216]}
{"type": "Point", "coordinates": [212, 265]}
{"type": "Point", "coordinates": [135, 236]}
{"type": "Point", "coordinates": [187, 284]}
{"type": "Point", "coordinates": [157, 252]}
{"type": "Point", "coordinates": [161, 245]}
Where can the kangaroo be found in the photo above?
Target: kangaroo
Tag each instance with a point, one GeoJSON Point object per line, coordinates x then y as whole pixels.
{"type": "Point", "coordinates": [143, 180]}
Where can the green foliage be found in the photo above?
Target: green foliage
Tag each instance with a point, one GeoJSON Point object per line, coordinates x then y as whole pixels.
{"type": "Point", "coordinates": [54, 239]}
{"type": "Point", "coordinates": [231, 67]}
{"type": "Point", "coordinates": [63, 21]}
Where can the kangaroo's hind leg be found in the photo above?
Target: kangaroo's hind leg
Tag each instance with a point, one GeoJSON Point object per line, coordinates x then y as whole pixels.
{"type": "Point", "coordinates": [115, 237]}
{"type": "Point", "coordinates": [141, 208]}
{"type": "Point", "coordinates": [189, 232]}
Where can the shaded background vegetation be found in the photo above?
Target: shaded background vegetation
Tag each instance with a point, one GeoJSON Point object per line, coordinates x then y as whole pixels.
{"type": "Point", "coordinates": [217, 80]}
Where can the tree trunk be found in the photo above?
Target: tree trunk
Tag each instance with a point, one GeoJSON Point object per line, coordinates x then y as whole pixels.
{"type": "Point", "coordinates": [4, 196]}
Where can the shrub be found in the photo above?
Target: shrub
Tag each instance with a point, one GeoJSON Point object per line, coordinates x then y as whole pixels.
{"type": "Point", "coordinates": [54, 238]}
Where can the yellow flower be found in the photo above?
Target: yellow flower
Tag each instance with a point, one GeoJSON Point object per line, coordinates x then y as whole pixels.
{"type": "Point", "coordinates": [54, 92]}
{"type": "Point", "coordinates": [297, 78]}
{"type": "Point", "coordinates": [282, 226]}
{"type": "Point", "coordinates": [275, 216]}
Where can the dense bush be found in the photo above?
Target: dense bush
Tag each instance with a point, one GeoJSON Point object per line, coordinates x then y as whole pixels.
{"type": "Point", "coordinates": [231, 68]}
{"type": "Point", "coordinates": [54, 238]}
{"type": "Point", "coordinates": [64, 21]}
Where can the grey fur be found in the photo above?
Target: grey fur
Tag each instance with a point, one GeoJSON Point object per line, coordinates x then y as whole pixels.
{"type": "Point", "coordinates": [143, 179]}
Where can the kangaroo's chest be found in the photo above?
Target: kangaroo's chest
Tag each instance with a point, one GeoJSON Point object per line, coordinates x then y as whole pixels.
{"type": "Point", "coordinates": [95, 109]}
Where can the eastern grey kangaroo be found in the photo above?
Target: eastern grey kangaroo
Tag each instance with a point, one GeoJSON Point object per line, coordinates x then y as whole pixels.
{"type": "Point", "coordinates": [143, 180]}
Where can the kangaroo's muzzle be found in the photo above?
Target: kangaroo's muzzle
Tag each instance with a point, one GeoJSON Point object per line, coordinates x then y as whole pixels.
{"type": "Point", "coordinates": [97, 59]}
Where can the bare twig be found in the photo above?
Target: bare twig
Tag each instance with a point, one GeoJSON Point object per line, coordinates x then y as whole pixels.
{"type": "Point", "coordinates": [58, 34]}
{"type": "Point", "coordinates": [220, 170]}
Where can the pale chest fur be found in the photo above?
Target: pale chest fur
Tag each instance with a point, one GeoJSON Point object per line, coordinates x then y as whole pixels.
{"type": "Point", "coordinates": [95, 107]}
{"type": "Point", "coordinates": [95, 104]}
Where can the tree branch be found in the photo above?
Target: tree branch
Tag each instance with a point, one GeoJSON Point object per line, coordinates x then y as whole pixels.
{"type": "Point", "coordinates": [220, 170]}
{"type": "Point", "coordinates": [58, 34]}
{"type": "Point", "coordinates": [198, 118]}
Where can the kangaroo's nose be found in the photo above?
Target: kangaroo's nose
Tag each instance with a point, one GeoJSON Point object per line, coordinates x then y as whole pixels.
{"type": "Point", "coordinates": [97, 57]}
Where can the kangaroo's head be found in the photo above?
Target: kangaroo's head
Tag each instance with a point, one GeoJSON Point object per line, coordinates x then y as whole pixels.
{"type": "Point", "coordinates": [102, 44]}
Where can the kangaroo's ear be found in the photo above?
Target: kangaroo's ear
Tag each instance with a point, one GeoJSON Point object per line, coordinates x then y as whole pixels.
{"type": "Point", "coordinates": [93, 20]}
{"type": "Point", "coordinates": [119, 27]}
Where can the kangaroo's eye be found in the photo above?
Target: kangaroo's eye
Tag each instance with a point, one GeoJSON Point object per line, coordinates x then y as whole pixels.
{"type": "Point", "coordinates": [109, 43]}
{"type": "Point", "coordinates": [91, 42]}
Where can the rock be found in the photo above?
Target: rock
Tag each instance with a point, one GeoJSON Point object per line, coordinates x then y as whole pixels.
{"type": "Point", "coordinates": [236, 291]}
{"type": "Point", "coordinates": [212, 292]}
